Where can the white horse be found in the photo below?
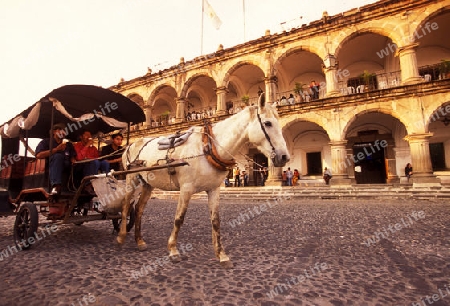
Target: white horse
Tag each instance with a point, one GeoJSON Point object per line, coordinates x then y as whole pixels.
{"type": "Point", "coordinates": [206, 171]}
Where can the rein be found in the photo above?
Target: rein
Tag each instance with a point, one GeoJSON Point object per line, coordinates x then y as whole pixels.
{"type": "Point", "coordinates": [210, 150]}
{"type": "Point", "coordinates": [129, 162]}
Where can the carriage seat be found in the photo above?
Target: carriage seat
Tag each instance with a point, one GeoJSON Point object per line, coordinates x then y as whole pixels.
{"type": "Point", "coordinates": [36, 174]}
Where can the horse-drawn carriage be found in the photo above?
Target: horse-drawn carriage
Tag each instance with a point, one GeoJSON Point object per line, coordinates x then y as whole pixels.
{"type": "Point", "coordinates": [210, 149]}
{"type": "Point", "coordinates": [24, 180]}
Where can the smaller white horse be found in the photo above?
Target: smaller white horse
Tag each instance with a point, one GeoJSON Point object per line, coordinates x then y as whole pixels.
{"type": "Point", "coordinates": [209, 151]}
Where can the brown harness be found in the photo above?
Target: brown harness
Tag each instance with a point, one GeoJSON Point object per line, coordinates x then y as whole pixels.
{"type": "Point", "coordinates": [210, 150]}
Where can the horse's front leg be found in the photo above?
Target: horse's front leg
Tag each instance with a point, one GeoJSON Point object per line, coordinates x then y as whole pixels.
{"type": "Point", "coordinates": [140, 206]}
{"type": "Point", "coordinates": [213, 203]}
{"type": "Point", "coordinates": [183, 202]}
{"type": "Point", "coordinates": [125, 209]}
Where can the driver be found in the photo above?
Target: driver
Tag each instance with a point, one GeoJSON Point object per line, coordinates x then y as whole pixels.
{"type": "Point", "coordinates": [61, 156]}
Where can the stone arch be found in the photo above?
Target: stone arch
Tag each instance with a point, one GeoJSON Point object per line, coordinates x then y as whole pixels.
{"type": "Point", "coordinates": [200, 92]}
{"type": "Point", "coordinates": [340, 43]}
{"type": "Point", "coordinates": [306, 138]}
{"type": "Point", "coordinates": [373, 126]}
{"type": "Point", "coordinates": [422, 19]}
{"type": "Point", "coordinates": [157, 91]}
{"type": "Point", "coordinates": [286, 53]}
{"type": "Point", "coordinates": [441, 113]}
{"type": "Point", "coordinates": [347, 129]}
{"type": "Point", "coordinates": [137, 98]}
{"type": "Point", "coordinates": [235, 66]}
{"type": "Point", "coordinates": [280, 71]}
{"type": "Point", "coordinates": [309, 132]}
{"type": "Point", "coordinates": [191, 78]}
{"type": "Point", "coordinates": [287, 122]}
{"type": "Point", "coordinates": [166, 98]}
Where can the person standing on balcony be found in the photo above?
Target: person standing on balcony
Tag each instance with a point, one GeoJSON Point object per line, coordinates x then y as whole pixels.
{"type": "Point", "coordinates": [314, 90]}
{"type": "Point", "coordinates": [291, 99]}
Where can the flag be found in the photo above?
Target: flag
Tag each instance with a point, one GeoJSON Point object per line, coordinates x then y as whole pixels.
{"type": "Point", "coordinates": [211, 14]}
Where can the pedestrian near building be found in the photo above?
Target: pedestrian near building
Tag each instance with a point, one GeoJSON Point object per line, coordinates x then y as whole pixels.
{"type": "Point", "coordinates": [296, 177]}
{"type": "Point", "coordinates": [408, 171]}
{"type": "Point", "coordinates": [283, 179]}
{"type": "Point", "coordinates": [327, 175]}
{"type": "Point", "coordinates": [244, 178]}
{"type": "Point", "coordinates": [264, 173]}
{"type": "Point", "coordinates": [289, 176]}
{"type": "Point", "coordinates": [237, 177]}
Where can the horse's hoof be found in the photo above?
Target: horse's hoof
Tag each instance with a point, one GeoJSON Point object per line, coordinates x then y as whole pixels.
{"type": "Point", "coordinates": [226, 264]}
{"type": "Point", "coordinates": [120, 240]}
{"type": "Point", "coordinates": [142, 247]}
{"type": "Point", "coordinates": [175, 258]}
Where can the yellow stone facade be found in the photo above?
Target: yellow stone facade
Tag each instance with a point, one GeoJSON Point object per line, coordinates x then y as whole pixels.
{"type": "Point", "coordinates": [382, 75]}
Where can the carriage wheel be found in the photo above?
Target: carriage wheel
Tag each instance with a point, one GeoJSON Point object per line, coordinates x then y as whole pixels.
{"type": "Point", "coordinates": [26, 225]}
{"type": "Point", "coordinates": [130, 220]}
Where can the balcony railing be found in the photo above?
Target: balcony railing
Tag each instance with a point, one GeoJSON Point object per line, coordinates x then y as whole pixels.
{"type": "Point", "coordinates": [432, 73]}
{"type": "Point", "coordinates": [375, 81]}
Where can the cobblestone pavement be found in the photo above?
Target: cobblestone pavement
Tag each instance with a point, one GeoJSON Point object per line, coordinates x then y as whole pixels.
{"type": "Point", "coordinates": [313, 252]}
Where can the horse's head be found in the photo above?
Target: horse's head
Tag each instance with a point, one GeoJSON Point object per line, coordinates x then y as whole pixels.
{"type": "Point", "coordinates": [265, 132]}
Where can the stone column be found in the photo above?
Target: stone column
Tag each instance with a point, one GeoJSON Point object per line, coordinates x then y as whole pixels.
{"type": "Point", "coordinates": [408, 64]}
{"type": "Point", "coordinates": [331, 82]}
{"type": "Point", "coordinates": [274, 178]}
{"type": "Point", "coordinates": [221, 108]}
{"type": "Point", "coordinates": [339, 163]}
{"type": "Point", "coordinates": [148, 115]}
{"type": "Point", "coordinates": [179, 116]}
{"type": "Point", "coordinates": [271, 84]}
{"type": "Point", "coordinates": [421, 160]}
{"type": "Point", "coordinates": [402, 157]}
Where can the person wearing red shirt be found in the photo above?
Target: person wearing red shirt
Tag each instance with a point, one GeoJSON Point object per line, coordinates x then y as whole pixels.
{"type": "Point", "coordinates": [86, 151]}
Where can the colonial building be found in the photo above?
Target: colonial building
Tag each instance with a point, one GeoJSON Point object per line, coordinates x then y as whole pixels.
{"type": "Point", "coordinates": [381, 100]}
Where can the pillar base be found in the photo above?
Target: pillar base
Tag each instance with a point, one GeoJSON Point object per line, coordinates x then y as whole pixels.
{"type": "Point", "coordinates": [425, 181]}
{"type": "Point", "coordinates": [333, 93]}
{"type": "Point", "coordinates": [277, 182]}
{"type": "Point", "coordinates": [412, 80]}
{"type": "Point", "coordinates": [340, 182]}
{"type": "Point", "coordinates": [221, 112]}
{"type": "Point", "coordinates": [393, 180]}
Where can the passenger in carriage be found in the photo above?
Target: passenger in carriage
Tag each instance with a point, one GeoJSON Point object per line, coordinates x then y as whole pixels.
{"type": "Point", "coordinates": [115, 147]}
{"type": "Point", "coordinates": [61, 156]}
{"type": "Point", "coordinates": [86, 151]}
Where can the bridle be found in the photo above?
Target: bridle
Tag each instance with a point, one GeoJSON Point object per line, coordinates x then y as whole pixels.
{"type": "Point", "coordinates": [273, 154]}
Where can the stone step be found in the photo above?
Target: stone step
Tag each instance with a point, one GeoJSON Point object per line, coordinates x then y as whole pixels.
{"type": "Point", "coordinates": [322, 192]}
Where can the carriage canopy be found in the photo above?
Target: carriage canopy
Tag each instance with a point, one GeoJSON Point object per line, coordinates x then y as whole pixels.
{"type": "Point", "coordinates": [75, 106]}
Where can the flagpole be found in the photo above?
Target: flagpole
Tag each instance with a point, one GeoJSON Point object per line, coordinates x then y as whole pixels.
{"type": "Point", "coordinates": [243, 10]}
{"type": "Point", "coordinates": [201, 35]}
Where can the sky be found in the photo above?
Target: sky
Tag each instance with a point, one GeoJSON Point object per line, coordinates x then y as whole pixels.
{"type": "Point", "coordinates": [50, 43]}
